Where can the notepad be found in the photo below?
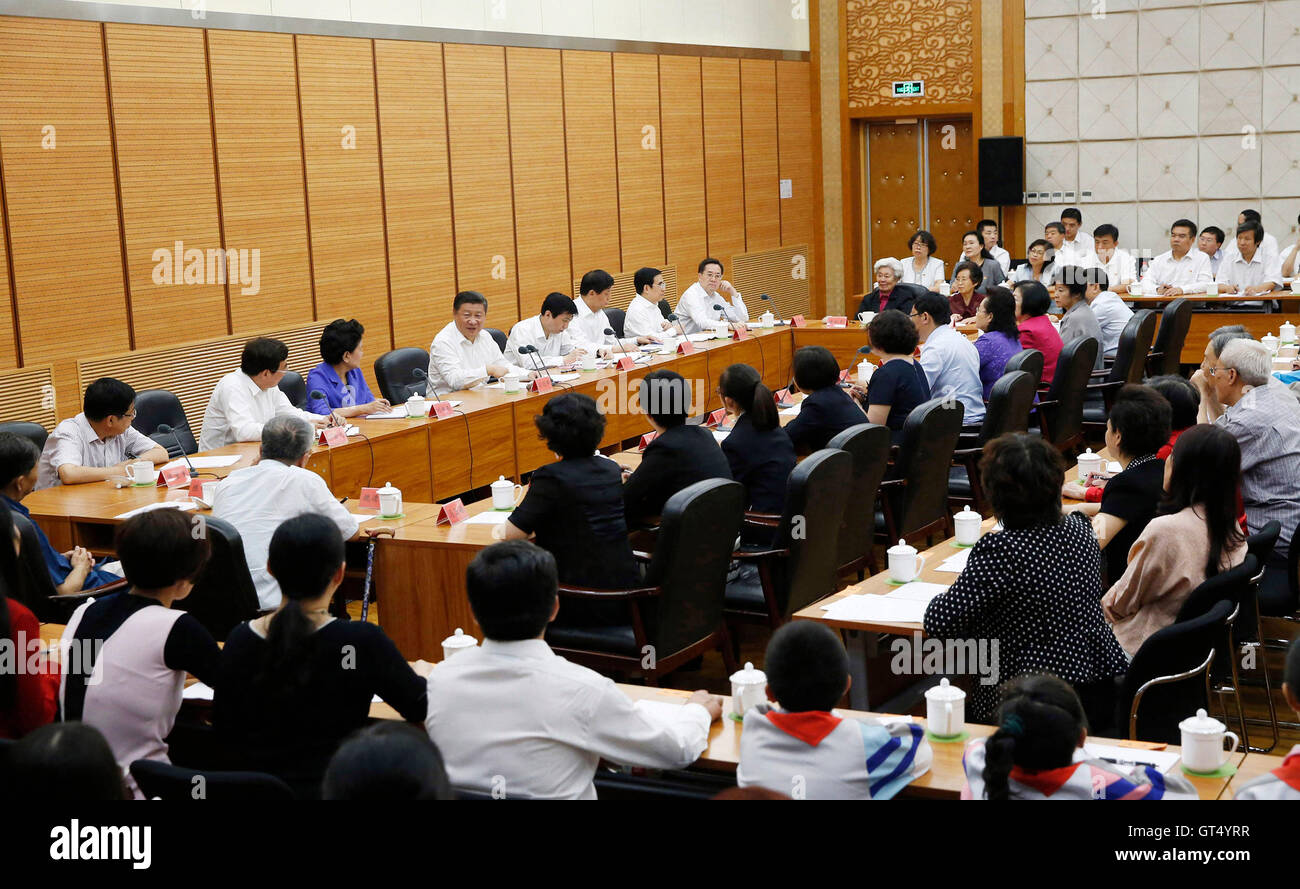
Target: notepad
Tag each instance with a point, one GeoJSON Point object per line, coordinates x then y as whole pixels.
{"type": "Point", "coordinates": [205, 462]}
{"type": "Point", "coordinates": [720, 435]}
{"type": "Point", "coordinates": [169, 504]}
{"type": "Point", "coordinates": [1161, 759]}
{"type": "Point", "coordinates": [876, 609]}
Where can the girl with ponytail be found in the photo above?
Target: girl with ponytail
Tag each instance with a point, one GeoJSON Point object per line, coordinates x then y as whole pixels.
{"type": "Point", "coordinates": [759, 451]}
{"type": "Point", "coordinates": [1037, 753]}
{"type": "Point", "coordinates": [296, 682]}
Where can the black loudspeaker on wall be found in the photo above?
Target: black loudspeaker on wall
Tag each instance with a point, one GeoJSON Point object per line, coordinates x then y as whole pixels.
{"type": "Point", "coordinates": [1002, 171]}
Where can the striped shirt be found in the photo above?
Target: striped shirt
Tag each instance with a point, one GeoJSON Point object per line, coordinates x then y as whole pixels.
{"type": "Point", "coordinates": [1266, 424]}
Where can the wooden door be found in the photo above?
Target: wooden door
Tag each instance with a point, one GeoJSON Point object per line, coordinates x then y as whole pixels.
{"type": "Point", "coordinates": [894, 190]}
{"type": "Point", "coordinates": [953, 185]}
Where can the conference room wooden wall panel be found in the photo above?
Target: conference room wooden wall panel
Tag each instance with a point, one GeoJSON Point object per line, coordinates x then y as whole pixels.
{"type": "Point", "coordinates": [640, 167]}
{"type": "Point", "coordinates": [893, 190]}
{"type": "Point", "coordinates": [681, 139]}
{"type": "Point", "coordinates": [536, 102]}
{"type": "Point", "coordinates": [724, 179]}
{"type": "Point", "coordinates": [417, 189]}
{"type": "Point", "coordinates": [761, 167]}
{"type": "Point", "coordinates": [163, 129]}
{"type": "Point", "coordinates": [478, 135]}
{"type": "Point", "coordinates": [593, 167]}
{"type": "Point", "coordinates": [60, 193]}
{"type": "Point", "coordinates": [8, 342]}
{"type": "Point", "coordinates": [794, 142]}
{"type": "Point", "coordinates": [336, 90]}
{"type": "Point", "coordinates": [259, 171]}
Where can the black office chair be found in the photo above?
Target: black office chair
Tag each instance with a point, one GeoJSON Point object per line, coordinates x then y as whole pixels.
{"type": "Point", "coordinates": [224, 595]}
{"type": "Point", "coordinates": [914, 502]}
{"type": "Point", "coordinates": [395, 373]}
{"type": "Point", "coordinates": [1010, 401]}
{"type": "Point", "coordinates": [499, 336]}
{"type": "Point", "coordinates": [1166, 351]}
{"type": "Point", "coordinates": [37, 590]}
{"type": "Point", "coordinates": [665, 309]}
{"type": "Point", "coordinates": [34, 431]}
{"type": "Point", "coordinates": [678, 612]}
{"type": "Point", "coordinates": [1060, 412]}
{"type": "Point", "coordinates": [162, 780]}
{"type": "Point", "coordinates": [158, 407]}
{"type": "Point", "coordinates": [1028, 360]}
{"type": "Point", "coordinates": [1129, 366]}
{"type": "Point", "coordinates": [294, 387]}
{"type": "Point", "coordinates": [868, 445]}
{"type": "Point", "coordinates": [802, 563]}
{"type": "Point", "coordinates": [616, 318]}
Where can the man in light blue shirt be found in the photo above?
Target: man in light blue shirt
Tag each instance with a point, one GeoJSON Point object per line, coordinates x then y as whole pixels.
{"type": "Point", "coordinates": [950, 361]}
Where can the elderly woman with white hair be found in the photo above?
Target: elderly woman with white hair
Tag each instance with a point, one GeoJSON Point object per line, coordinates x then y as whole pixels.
{"type": "Point", "coordinates": [890, 292]}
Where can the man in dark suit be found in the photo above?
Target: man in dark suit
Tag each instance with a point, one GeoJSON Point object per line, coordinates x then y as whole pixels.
{"type": "Point", "coordinates": [827, 410]}
{"type": "Point", "coordinates": [890, 292]}
{"type": "Point", "coordinates": [680, 456]}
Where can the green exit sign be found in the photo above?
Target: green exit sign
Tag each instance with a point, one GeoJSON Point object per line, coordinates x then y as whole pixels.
{"type": "Point", "coordinates": [908, 88]}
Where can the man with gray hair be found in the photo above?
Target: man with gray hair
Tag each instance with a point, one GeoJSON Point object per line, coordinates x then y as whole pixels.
{"type": "Point", "coordinates": [890, 292]}
{"type": "Point", "coordinates": [257, 499]}
{"type": "Point", "coordinates": [1211, 409]}
{"type": "Point", "coordinates": [1265, 420]}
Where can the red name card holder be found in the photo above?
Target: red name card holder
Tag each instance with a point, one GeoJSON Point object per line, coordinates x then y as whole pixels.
{"type": "Point", "coordinates": [837, 321]}
{"type": "Point", "coordinates": [452, 513]}
{"type": "Point", "coordinates": [196, 488]}
{"type": "Point", "coordinates": [798, 321]}
{"type": "Point", "coordinates": [739, 332]}
{"type": "Point", "coordinates": [686, 347]}
{"type": "Point", "coordinates": [441, 410]}
{"type": "Point", "coordinates": [716, 418]}
{"type": "Point", "coordinates": [782, 398]}
{"type": "Point", "coordinates": [175, 477]}
{"type": "Point", "coordinates": [369, 498]}
{"type": "Point", "coordinates": [646, 439]}
{"type": "Point", "coordinates": [541, 384]}
{"type": "Point", "coordinates": [626, 363]}
{"type": "Point", "coordinates": [334, 436]}
{"type": "Point", "coordinates": [844, 375]}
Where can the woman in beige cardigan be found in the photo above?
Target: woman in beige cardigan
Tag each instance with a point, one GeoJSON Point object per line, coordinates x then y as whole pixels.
{"type": "Point", "coordinates": [1194, 536]}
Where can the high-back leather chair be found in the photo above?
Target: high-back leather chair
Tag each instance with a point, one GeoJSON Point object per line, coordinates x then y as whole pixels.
{"type": "Point", "coordinates": [1028, 360]}
{"type": "Point", "coordinates": [1166, 351]}
{"type": "Point", "coordinates": [162, 780]}
{"type": "Point", "coordinates": [802, 564]}
{"type": "Point", "coordinates": [868, 445]}
{"type": "Point", "coordinates": [294, 388]}
{"type": "Point", "coordinates": [1129, 367]}
{"type": "Point", "coordinates": [616, 318]}
{"type": "Point", "coordinates": [1060, 414]}
{"type": "Point", "coordinates": [1010, 401]}
{"type": "Point", "coordinates": [498, 335]}
{"type": "Point", "coordinates": [34, 431]}
{"type": "Point", "coordinates": [224, 595]}
{"type": "Point", "coordinates": [158, 407]}
{"type": "Point", "coordinates": [679, 610]}
{"type": "Point", "coordinates": [395, 373]}
{"type": "Point", "coordinates": [915, 500]}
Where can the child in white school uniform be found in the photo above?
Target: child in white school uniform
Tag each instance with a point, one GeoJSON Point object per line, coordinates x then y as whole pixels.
{"type": "Point", "coordinates": [805, 750]}
{"type": "Point", "coordinates": [1282, 782]}
{"type": "Point", "coordinates": [1037, 753]}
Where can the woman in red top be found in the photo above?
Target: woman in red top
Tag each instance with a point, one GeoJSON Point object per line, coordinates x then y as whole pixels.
{"type": "Point", "coordinates": [27, 695]}
{"type": "Point", "coordinates": [1036, 330]}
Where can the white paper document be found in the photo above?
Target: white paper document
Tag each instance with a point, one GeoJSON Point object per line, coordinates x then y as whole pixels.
{"type": "Point", "coordinates": [792, 409]}
{"type": "Point", "coordinates": [205, 462]}
{"type": "Point", "coordinates": [491, 517]}
{"type": "Point", "coordinates": [917, 591]}
{"type": "Point", "coordinates": [720, 435]}
{"type": "Point", "coordinates": [954, 564]}
{"type": "Point", "coordinates": [201, 691]}
{"type": "Point", "coordinates": [564, 378]}
{"type": "Point", "coordinates": [872, 608]}
{"type": "Point", "coordinates": [364, 517]}
{"type": "Point", "coordinates": [168, 504]}
{"type": "Point", "coordinates": [1161, 759]}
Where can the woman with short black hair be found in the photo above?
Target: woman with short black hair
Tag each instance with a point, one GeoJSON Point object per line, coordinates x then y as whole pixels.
{"type": "Point", "coordinates": [1036, 329]}
{"type": "Point", "coordinates": [827, 410]}
{"type": "Point", "coordinates": [999, 338]}
{"type": "Point", "coordinates": [899, 384]}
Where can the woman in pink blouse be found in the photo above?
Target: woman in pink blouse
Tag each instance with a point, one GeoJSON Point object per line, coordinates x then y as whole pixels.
{"type": "Point", "coordinates": [1036, 330]}
{"type": "Point", "coordinates": [1195, 536]}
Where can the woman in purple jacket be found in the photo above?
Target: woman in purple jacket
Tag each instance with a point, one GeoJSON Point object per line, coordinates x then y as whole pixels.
{"type": "Point", "coordinates": [999, 337]}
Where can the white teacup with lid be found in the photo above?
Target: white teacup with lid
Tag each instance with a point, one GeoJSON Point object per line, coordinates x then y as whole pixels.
{"type": "Point", "coordinates": [1088, 464]}
{"type": "Point", "coordinates": [905, 564]}
{"type": "Point", "coordinates": [865, 370]}
{"type": "Point", "coordinates": [514, 381]}
{"type": "Point", "coordinates": [967, 526]}
{"type": "Point", "coordinates": [390, 501]}
{"type": "Point", "coordinates": [945, 710]}
{"type": "Point", "coordinates": [503, 493]}
{"type": "Point", "coordinates": [748, 689]}
{"type": "Point", "coordinates": [141, 472]}
{"type": "Point", "coordinates": [1286, 332]}
{"type": "Point", "coordinates": [456, 643]}
{"type": "Point", "coordinates": [767, 319]}
{"type": "Point", "coordinates": [416, 406]}
{"type": "Point", "coordinates": [1270, 342]}
{"type": "Point", "coordinates": [1202, 737]}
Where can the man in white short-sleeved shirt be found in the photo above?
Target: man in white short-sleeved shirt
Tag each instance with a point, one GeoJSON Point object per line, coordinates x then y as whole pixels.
{"type": "Point", "coordinates": [463, 354]}
{"type": "Point", "coordinates": [1110, 311]}
{"type": "Point", "coordinates": [1181, 269]}
{"type": "Point", "coordinates": [695, 309]}
{"type": "Point", "coordinates": [514, 719]}
{"type": "Point", "coordinates": [99, 442]}
{"type": "Point", "coordinates": [245, 399]}
{"type": "Point", "coordinates": [1077, 241]}
{"type": "Point", "coordinates": [547, 332]}
{"type": "Point", "coordinates": [643, 315]}
{"type": "Point", "coordinates": [594, 292]}
{"type": "Point", "coordinates": [1249, 271]}
{"type": "Point", "coordinates": [1119, 265]}
{"type": "Point", "coordinates": [258, 498]}
{"type": "Point", "coordinates": [1268, 245]}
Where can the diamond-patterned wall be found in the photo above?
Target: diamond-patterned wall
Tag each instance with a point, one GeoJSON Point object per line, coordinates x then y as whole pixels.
{"type": "Point", "coordinates": [1161, 109]}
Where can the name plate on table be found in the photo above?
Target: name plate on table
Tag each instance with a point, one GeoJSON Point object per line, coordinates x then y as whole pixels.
{"type": "Point", "coordinates": [798, 321]}
{"type": "Point", "coordinates": [540, 384]}
{"type": "Point", "coordinates": [739, 332]}
{"type": "Point", "coordinates": [646, 439]}
{"type": "Point", "coordinates": [686, 347]}
{"type": "Point", "coordinates": [716, 418]}
{"type": "Point", "coordinates": [452, 513]}
{"type": "Point", "coordinates": [369, 498]}
{"type": "Point", "coordinates": [782, 397]}
{"type": "Point", "coordinates": [626, 363]}
{"type": "Point", "coordinates": [844, 375]}
{"type": "Point", "coordinates": [196, 488]}
{"type": "Point", "coordinates": [837, 321]}
{"type": "Point", "coordinates": [175, 477]}
{"type": "Point", "coordinates": [334, 436]}
{"type": "Point", "coordinates": [441, 410]}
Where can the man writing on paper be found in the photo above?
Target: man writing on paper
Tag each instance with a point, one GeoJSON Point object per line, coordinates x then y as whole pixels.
{"type": "Point", "coordinates": [547, 332]}
{"type": "Point", "coordinates": [589, 327]}
{"type": "Point", "coordinates": [245, 399]}
{"type": "Point", "coordinates": [277, 487]}
{"type": "Point", "coordinates": [463, 356]}
{"type": "Point", "coordinates": [695, 308]}
{"type": "Point", "coordinates": [99, 442]}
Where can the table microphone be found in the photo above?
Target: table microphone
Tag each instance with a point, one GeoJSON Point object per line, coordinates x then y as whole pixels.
{"type": "Point", "coordinates": [717, 307]}
{"type": "Point", "coordinates": [420, 374]}
{"type": "Point", "coordinates": [672, 316]}
{"type": "Point", "coordinates": [767, 299]}
{"type": "Point", "coordinates": [531, 351]}
{"type": "Point", "coordinates": [168, 430]}
{"type": "Point", "coordinates": [609, 331]}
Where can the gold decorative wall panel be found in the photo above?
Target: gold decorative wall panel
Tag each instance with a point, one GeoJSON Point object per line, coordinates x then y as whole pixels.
{"type": "Point", "coordinates": [930, 40]}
